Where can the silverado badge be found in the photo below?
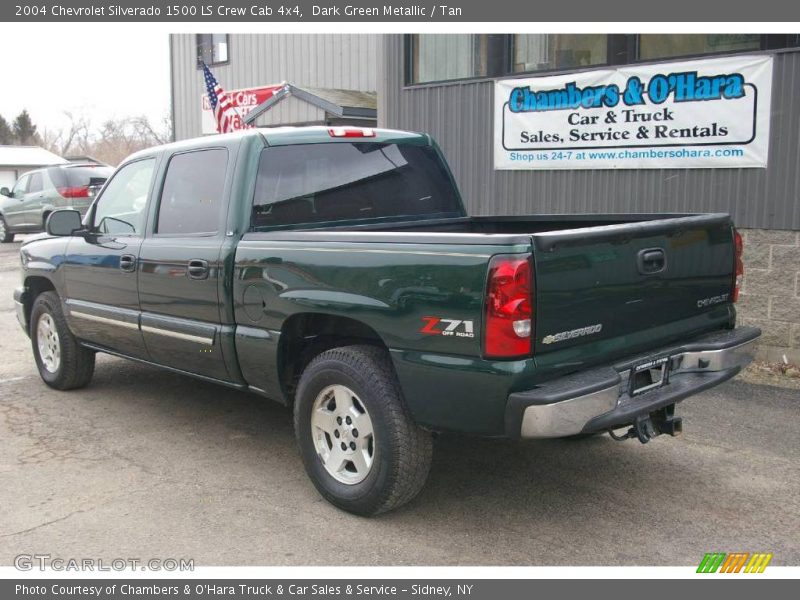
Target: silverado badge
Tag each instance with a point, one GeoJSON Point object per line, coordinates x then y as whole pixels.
{"type": "Point", "coordinates": [573, 333]}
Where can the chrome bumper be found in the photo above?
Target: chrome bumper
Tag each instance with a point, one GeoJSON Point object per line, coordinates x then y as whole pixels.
{"type": "Point", "coordinates": [600, 399]}
{"type": "Point", "coordinates": [20, 295]}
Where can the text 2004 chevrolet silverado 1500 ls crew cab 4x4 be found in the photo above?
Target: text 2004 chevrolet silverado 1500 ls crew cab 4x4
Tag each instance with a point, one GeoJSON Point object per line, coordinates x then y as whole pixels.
{"type": "Point", "coordinates": [336, 271]}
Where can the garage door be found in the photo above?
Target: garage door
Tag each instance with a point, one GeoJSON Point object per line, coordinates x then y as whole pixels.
{"type": "Point", "coordinates": [8, 179]}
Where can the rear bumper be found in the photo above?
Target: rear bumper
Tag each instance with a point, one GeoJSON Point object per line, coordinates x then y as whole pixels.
{"type": "Point", "coordinates": [600, 398]}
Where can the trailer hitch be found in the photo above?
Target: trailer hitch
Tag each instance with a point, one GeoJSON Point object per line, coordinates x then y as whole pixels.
{"type": "Point", "coordinates": [646, 427]}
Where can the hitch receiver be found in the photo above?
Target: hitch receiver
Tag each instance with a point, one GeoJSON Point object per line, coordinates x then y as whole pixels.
{"type": "Point", "coordinates": [646, 427]}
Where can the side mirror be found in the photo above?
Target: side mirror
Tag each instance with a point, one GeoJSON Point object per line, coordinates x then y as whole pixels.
{"type": "Point", "coordinates": [63, 222]}
{"type": "Point", "coordinates": [5, 191]}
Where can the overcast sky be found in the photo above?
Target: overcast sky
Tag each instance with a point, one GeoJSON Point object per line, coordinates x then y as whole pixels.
{"type": "Point", "coordinates": [97, 73]}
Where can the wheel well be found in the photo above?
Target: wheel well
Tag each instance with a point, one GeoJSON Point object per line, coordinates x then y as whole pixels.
{"type": "Point", "coordinates": [35, 286]}
{"type": "Point", "coordinates": [45, 214]}
{"type": "Point", "coordinates": [306, 335]}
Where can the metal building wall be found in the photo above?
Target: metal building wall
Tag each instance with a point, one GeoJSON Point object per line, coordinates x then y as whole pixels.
{"type": "Point", "coordinates": [459, 116]}
{"type": "Point", "coordinates": [320, 60]}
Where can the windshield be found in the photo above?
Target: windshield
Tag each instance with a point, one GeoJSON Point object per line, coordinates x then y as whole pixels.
{"type": "Point", "coordinates": [316, 183]}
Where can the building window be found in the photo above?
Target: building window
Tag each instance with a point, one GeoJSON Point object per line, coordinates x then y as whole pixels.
{"type": "Point", "coordinates": [543, 52]}
{"type": "Point", "coordinates": [655, 46]}
{"type": "Point", "coordinates": [212, 48]}
{"type": "Point", "coordinates": [446, 57]}
{"type": "Point", "coordinates": [441, 57]}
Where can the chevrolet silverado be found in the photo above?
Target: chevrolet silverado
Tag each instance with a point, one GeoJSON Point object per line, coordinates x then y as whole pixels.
{"type": "Point", "coordinates": [336, 271]}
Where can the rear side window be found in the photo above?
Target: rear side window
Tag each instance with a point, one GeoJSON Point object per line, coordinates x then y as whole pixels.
{"type": "Point", "coordinates": [58, 177]}
{"type": "Point", "coordinates": [191, 198]}
{"type": "Point", "coordinates": [317, 183]}
{"type": "Point", "coordinates": [35, 184]}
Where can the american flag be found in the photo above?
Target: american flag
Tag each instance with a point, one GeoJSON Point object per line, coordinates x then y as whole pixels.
{"type": "Point", "coordinates": [225, 114]}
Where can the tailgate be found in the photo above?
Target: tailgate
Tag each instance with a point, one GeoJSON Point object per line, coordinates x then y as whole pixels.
{"type": "Point", "coordinates": [613, 281]}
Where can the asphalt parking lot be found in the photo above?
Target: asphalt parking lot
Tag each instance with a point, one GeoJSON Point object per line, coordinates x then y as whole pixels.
{"type": "Point", "coordinates": [148, 464]}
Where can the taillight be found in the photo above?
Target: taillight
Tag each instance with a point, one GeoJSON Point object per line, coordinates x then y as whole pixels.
{"type": "Point", "coordinates": [508, 326]}
{"type": "Point", "coordinates": [738, 264]}
{"type": "Point", "coordinates": [351, 132]}
{"type": "Point", "coordinates": [81, 191]}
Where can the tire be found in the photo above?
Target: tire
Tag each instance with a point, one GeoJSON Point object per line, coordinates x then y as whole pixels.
{"type": "Point", "coordinates": [390, 466]}
{"type": "Point", "coordinates": [5, 235]}
{"type": "Point", "coordinates": [62, 362]}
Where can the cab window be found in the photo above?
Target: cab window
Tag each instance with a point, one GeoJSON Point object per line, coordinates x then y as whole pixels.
{"type": "Point", "coordinates": [120, 208]}
{"type": "Point", "coordinates": [319, 183]}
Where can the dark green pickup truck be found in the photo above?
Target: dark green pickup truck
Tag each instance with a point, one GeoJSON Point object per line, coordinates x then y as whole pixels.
{"type": "Point", "coordinates": [335, 271]}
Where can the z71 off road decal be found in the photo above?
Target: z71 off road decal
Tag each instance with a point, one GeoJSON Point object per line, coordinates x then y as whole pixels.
{"type": "Point", "coordinates": [453, 327]}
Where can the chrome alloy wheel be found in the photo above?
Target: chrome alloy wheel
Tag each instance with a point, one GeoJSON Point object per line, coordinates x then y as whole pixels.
{"type": "Point", "coordinates": [48, 343]}
{"type": "Point", "coordinates": [343, 435]}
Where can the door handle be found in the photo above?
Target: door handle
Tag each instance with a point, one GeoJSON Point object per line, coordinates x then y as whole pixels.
{"type": "Point", "coordinates": [197, 269]}
{"type": "Point", "coordinates": [127, 263]}
{"type": "Point", "coordinates": [651, 260]}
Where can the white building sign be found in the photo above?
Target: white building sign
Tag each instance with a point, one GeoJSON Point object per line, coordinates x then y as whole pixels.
{"type": "Point", "coordinates": [692, 114]}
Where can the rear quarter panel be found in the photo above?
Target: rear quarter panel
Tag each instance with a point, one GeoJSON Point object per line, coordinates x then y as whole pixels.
{"type": "Point", "coordinates": [390, 287]}
{"type": "Point", "coordinates": [393, 289]}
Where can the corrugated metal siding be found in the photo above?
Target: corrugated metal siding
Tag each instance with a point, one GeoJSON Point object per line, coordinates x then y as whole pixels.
{"type": "Point", "coordinates": [327, 60]}
{"type": "Point", "coordinates": [459, 116]}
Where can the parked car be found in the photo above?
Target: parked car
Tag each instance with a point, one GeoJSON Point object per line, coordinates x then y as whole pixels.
{"type": "Point", "coordinates": [25, 208]}
{"type": "Point", "coordinates": [336, 271]}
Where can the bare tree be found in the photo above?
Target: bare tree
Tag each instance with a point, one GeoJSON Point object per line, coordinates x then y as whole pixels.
{"type": "Point", "coordinates": [111, 142]}
{"type": "Point", "coordinates": [71, 139]}
{"type": "Point", "coordinates": [146, 131]}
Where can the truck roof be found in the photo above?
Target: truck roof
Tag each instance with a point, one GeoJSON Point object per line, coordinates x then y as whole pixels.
{"type": "Point", "coordinates": [284, 136]}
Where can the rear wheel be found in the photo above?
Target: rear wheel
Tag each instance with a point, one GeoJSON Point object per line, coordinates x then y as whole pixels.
{"type": "Point", "coordinates": [5, 235]}
{"type": "Point", "coordinates": [62, 362]}
{"type": "Point", "coordinates": [359, 444]}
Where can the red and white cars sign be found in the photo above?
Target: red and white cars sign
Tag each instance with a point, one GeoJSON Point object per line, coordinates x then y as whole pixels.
{"type": "Point", "coordinates": [244, 100]}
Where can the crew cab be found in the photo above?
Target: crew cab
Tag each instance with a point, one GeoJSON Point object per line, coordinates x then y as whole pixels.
{"type": "Point", "coordinates": [336, 271]}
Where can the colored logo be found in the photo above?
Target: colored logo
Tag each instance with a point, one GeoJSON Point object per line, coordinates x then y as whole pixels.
{"type": "Point", "coordinates": [737, 562]}
{"type": "Point", "coordinates": [448, 327]}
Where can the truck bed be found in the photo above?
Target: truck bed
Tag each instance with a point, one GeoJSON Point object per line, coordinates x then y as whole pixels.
{"type": "Point", "coordinates": [564, 226]}
{"type": "Point", "coordinates": [589, 274]}
{"type": "Point", "coordinates": [515, 224]}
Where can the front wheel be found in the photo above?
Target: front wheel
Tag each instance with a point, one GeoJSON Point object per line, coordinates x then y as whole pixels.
{"type": "Point", "coordinates": [359, 444]}
{"type": "Point", "coordinates": [62, 362]}
{"type": "Point", "coordinates": [5, 235]}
